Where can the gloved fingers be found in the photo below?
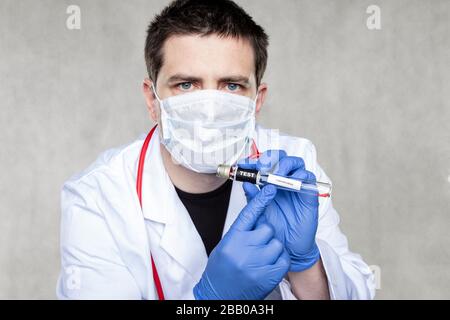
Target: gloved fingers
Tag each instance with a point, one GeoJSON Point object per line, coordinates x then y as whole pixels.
{"type": "Point", "coordinates": [262, 234]}
{"type": "Point", "coordinates": [282, 263]}
{"type": "Point", "coordinates": [305, 176]}
{"type": "Point", "coordinates": [279, 268]}
{"type": "Point", "coordinates": [247, 163]}
{"type": "Point", "coordinates": [249, 215]}
{"type": "Point", "coordinates": [268, 254]}
{"type": "Point", "coordinates": [261, 220]}
{"type": "Point", "coordinates": [288, 165]}
{"type": "Point", "coordinates": [269, 159]}
{"type": "Point", "coordinates": [250, 190]}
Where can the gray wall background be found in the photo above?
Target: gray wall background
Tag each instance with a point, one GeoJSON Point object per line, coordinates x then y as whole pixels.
{"type": "Point", "coordinates": [375, 103]}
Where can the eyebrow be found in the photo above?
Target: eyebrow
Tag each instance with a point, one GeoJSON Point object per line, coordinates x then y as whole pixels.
{"type": "Point", "coordinates": [183, 77]}
{"type": "Point", "coordinates": [239, 79]}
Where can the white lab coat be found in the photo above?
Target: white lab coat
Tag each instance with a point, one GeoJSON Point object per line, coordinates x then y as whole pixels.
{"type": "Point", "coordinates": [106, 239]}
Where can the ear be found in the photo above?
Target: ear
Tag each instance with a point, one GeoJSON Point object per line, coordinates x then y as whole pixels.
{"type": "Point", "coordinates": [262, 92]}
{"type": "Point", "coordinates": [150, 99]}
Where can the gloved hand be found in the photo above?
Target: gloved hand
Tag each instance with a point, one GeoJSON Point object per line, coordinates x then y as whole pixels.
{"type": "Point", "coordinates": [294, 216]}
{"type": "Point", "coordinates": [248, 263]}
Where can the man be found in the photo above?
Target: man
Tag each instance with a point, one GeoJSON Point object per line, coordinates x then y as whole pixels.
{"type": "Point", "coordinates": [199, 236]}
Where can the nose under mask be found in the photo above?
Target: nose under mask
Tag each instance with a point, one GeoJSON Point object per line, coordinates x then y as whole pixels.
{"type": "Point", "coordinates": [206, 128]}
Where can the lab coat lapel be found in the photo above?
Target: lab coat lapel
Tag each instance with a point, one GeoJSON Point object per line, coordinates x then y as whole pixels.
{"type": "Point", "coordinates": [124, 218]}
{"type": "Point", "coordinates": [161, 204]}
{"type": "Point", "coordinates": [237, 202]}
{"type": "Point", "coordinates": [181, 239]}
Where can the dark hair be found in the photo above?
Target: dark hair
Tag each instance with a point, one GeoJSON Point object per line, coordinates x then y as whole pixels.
{"type": "Point", "coordinates": [204, 17]}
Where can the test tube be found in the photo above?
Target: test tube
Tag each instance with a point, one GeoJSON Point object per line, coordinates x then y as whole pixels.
{"type": "Point", "coordinates": [316, 188]}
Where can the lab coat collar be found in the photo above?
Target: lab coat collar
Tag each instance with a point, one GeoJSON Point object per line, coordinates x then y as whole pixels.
{"type": "Point", "coordinates": [157, 188]}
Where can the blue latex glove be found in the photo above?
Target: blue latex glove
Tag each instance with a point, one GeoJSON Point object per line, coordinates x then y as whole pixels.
{"type": "Point", "coordinates": [294, 216]}
{"type": "Point", "coordinates": [248, 263]}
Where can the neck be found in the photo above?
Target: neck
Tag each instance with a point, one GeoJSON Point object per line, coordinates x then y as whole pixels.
{"type": "Point", "coordinates": [187, 180]}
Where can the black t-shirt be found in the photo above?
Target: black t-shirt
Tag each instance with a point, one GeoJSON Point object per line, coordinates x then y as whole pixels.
{"type": "Point", "coordinates": [208, 211]}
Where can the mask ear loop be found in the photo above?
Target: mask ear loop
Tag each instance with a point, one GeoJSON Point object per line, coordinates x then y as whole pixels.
{"type": "Point", "coordinates": [156, 95]}
{"type": "Point", "coordinates": [256, 98]}
{"type": "Point", "coordinates": [255, 154]}
{"type": "Point", "coordinates": [161, 128]}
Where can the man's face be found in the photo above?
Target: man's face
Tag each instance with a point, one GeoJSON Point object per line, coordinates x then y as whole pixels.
{"type": "Point", "coordinates": [193, 62]}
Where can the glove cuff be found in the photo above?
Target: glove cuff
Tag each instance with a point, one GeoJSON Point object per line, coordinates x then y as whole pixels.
{"type": "Point", "coordinates": [305, 261]}
{"type": "Point", "coordinates": [196, 292]}
{"type": "Point", "coordinates": [203, 290]}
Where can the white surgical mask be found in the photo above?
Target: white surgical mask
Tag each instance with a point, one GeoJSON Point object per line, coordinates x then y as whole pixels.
{"type": "Point", "coordinates": [206, 128]}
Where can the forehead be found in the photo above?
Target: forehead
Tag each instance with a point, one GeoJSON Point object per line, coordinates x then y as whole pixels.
{"type": "Point", "coordinates": [207, 56]}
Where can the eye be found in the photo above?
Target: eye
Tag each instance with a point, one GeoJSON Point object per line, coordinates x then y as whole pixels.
{"type": "Point", "coordinates": [233, 86]}
{"type": "Point", "coordinates": [185, 85]}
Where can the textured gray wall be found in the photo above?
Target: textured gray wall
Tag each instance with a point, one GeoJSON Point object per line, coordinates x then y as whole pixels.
{"type": "Point", "coordinates": [375, 103]}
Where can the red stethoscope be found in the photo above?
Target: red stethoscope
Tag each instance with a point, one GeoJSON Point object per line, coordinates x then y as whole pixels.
{"type": "Point", "coordinates": [255, 154]}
